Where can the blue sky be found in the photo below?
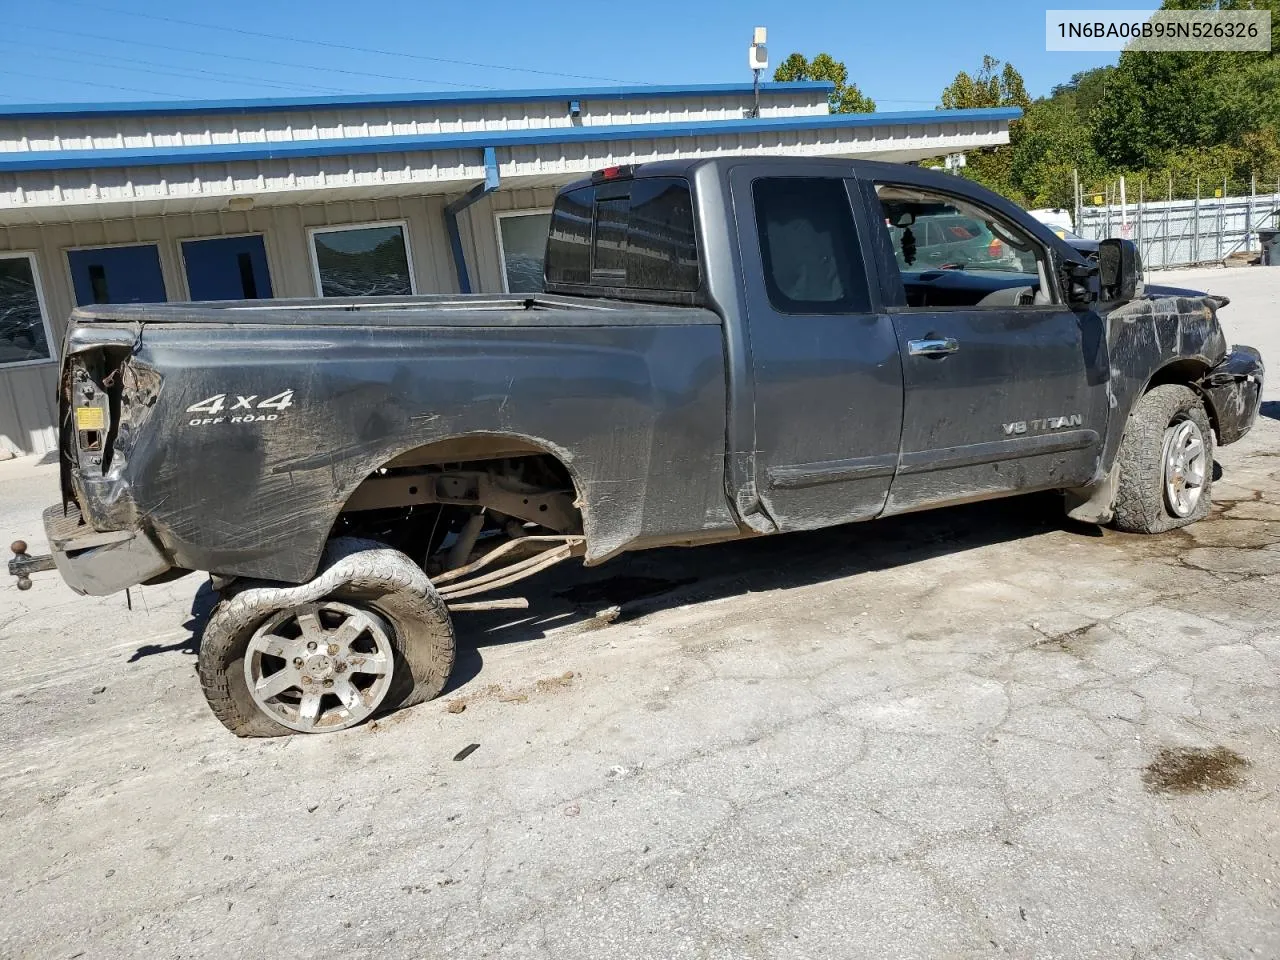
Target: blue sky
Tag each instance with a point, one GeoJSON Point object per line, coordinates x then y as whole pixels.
{"type": "Point", "coordinates": [902, 54]}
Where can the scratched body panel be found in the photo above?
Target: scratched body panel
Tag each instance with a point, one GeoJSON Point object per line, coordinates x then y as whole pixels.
{"type": "Point", "coordinates": [1146, 336]}
{"type": "Point", "coordinates": [635, 412]}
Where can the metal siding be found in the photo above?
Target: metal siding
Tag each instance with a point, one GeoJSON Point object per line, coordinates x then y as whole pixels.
{"type": "Point", "coordinates": [334, 121]}
{"type": "Point", "coordinates": [34, 196]}
{"type": "Point", "coordinates": [819, 88]}
{"type": "Point", "coordinates": [28, 407]}
{"type": "Point", "coordinates": [453, 164]}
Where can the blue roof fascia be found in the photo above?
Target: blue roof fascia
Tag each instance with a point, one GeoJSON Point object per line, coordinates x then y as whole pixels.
{"type": "Point", "coordinates": [479, 139]}
{"type": "Point", "coordinates": [173, 107]}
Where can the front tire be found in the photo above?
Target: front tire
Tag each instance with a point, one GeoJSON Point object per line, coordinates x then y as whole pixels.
{"type": "Point", "coordinates": [368, 635]}
{"type": "Point", "coordinates": [1165, 462]}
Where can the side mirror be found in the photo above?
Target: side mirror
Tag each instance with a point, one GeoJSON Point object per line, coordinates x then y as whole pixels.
{"type": "Point", "coordinates": [1081, 282]}
{"type": "Point", "coordinates": [1119, 269]}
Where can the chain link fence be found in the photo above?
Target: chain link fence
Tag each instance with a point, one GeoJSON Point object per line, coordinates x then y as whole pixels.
{"type": "Point", "coordinates": [1218, 221]}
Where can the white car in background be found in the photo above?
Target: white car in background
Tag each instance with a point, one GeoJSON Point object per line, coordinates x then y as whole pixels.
{"type": "Point", "coordinates": [1055, 217]}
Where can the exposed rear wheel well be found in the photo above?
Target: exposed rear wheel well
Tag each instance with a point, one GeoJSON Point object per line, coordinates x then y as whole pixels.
{"type": "Point", "coordinates": [443, 502]}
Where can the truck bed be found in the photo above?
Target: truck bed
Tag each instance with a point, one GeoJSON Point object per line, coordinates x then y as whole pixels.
{"type": "Point", "coordinates": [245, 426]}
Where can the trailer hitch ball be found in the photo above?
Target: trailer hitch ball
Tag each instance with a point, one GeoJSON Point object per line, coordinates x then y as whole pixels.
{"type": "Point", "coordinates": [19, 548]}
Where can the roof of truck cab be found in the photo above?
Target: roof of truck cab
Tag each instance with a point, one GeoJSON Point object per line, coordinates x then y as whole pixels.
{"type": "Point", "coordinates": [869, 169]}
{"type": "Point", "coordinates": [862, 169]}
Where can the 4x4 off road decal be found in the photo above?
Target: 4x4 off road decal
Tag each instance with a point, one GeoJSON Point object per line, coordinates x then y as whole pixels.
{"type": "Point", "coordinates": [251, 406]}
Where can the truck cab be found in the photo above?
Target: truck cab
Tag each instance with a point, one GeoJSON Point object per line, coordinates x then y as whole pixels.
{"type": "Point", "coordinates": [873, 367]}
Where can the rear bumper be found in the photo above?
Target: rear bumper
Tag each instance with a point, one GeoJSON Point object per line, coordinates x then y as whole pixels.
{"type": "Point", "coordinates": [97, 563]}
{"type": "Point", "coordinates": [1234, 391]}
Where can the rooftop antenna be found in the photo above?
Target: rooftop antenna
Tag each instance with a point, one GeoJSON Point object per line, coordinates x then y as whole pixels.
{"type": "Point", "coordinates": [758, 59]}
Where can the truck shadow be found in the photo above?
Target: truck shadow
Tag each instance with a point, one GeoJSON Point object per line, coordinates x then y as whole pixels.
{"type": "Point", "coordinates": [635, 585]}
{"type": "Point", "coordinates": [1271, 409]}
{"type": "Point", "coordinates": [202, 604]}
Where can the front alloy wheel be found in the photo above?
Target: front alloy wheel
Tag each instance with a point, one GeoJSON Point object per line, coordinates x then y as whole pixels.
{"type": "Point", "coordinates": [1164, 467]}
{"type": "Point", "coordinates": [319, 667]}
{"type": "Point", "coordinates": [1185, 467]}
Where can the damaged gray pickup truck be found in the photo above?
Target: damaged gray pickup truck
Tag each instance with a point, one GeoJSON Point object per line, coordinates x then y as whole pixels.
{"type": "Point", "coordinates": [727, 348]}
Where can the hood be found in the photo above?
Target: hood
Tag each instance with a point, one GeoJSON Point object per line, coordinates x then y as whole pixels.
{"type": "Point", "coordinates": [1152, 290]}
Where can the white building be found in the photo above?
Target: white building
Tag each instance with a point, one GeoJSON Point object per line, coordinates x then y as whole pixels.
{"type": "Point", "coordinates": [421, 193]}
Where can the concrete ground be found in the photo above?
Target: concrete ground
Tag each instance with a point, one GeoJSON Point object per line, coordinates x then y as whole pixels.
{"type": "Point", "coordinates": [981, 732]}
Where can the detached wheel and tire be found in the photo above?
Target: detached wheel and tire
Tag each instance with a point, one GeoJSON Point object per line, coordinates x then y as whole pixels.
{"type": "Point", "coordinates": [1165, 462]}
{"type": "Point", "coordinates": [368, 635]}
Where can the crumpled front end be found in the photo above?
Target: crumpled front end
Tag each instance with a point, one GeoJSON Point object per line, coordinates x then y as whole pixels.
{"type": "Point", "coordinates": [1233, 389]}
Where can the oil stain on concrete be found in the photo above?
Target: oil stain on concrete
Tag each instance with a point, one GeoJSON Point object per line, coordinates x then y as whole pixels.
{"type": "Point", "coordinates": [1194, 769]}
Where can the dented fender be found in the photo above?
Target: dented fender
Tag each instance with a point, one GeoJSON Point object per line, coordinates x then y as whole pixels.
{"type": "Point", "coordinates": [1233, 392]}
{"type": "Point", "coordinates": [1170, 336]}
{"type": "Point", "coordinates": [1165, 333]}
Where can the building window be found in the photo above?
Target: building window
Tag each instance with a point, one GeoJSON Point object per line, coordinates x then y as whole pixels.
{"type": "Point", "coordinates": [129, 274]}
{"type": "Point", "coordinates": [522, 241]}
{"type": "Point", "coordinates": [227, 268]}
{"type": "Point", "coordinates": [24, 323]}
{"type": "Point", "coordinates": [363, 260]}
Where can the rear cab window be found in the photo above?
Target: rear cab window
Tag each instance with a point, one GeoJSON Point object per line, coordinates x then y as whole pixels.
{"type": "Point", "coordinates": [628, 238]}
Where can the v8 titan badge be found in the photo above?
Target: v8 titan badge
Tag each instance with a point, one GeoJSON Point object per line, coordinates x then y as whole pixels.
{"type": "Point", "coordinates": [251, 406]}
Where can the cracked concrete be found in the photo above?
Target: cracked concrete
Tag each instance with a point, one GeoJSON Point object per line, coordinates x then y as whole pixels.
{"type": "Point", "coordinates": [927, 737]}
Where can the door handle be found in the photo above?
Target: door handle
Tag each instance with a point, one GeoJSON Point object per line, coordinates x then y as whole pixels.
{"type": "Point", "coordinates": [932, 348]}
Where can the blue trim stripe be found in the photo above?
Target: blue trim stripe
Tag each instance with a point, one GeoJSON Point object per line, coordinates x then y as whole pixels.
{"type": "Point", "coordinates": [174, 107]}
{"type": "Point", "coordinates": [294, 149]}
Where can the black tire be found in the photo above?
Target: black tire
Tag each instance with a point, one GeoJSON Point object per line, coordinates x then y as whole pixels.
{"type": "Point", "coordinates": [363, 573]}
{"type": "Point", "coordinates": [1141, 505]}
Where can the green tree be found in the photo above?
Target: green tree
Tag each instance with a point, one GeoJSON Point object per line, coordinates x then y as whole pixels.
{"type": "Point", "coordinates": [1156, 103]}
{"type": "Point", "coordinates": [987, 88]}
{"type": "Point", "coordinates": [845, 98]}
{"type": "Point", "coordinates": [1082, 92]}
{"type": "Point", "coordinates": [991, 86]}
{"type": "Point", "coordinates": [1052, 141]}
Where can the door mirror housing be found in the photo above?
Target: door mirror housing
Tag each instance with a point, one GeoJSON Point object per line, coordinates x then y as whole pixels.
{"type": "Point", "coordinates": [1119, 269]}
{"type": "Point", "coordinates": [1080, 280]}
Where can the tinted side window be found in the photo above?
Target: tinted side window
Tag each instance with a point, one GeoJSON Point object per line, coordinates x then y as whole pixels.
{"type": "Point", "coordinates": [636, 234]}
{"type": "Point", "coordinates": [809, 245]}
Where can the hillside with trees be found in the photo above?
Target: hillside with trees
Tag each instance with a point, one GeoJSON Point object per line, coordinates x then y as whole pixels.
{"type": "Point", "coordinates": [1165, 121]}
